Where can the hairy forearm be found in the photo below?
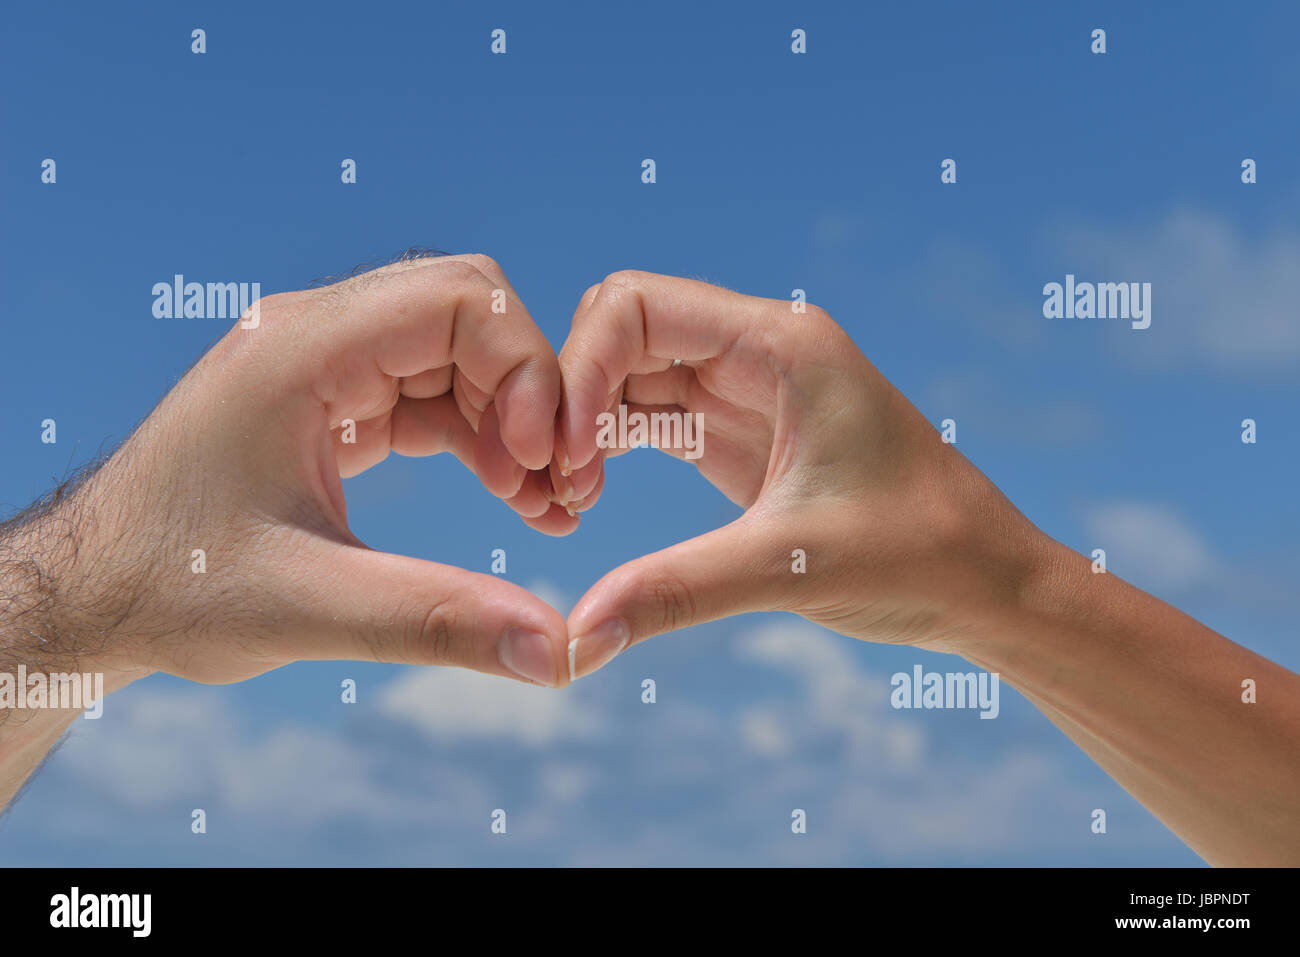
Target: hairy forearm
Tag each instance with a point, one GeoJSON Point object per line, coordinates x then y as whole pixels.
{"type": "Point", "coordinates": [60, 616]}
{"type": "Point", "coordinates": [1156, 698]}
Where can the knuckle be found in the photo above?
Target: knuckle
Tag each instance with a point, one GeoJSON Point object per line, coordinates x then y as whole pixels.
{"type": "Point", "coordinates": [672, 601]}
{"type": "Point", "coordinates": [624, 278]}
{"type": "Point", "coordinates": [820, 317]}
{"type": "Point", "coordinates": [814, 333]}
{"type": "Point", "coordinates": [271, 308]}
{"type": "Point", "coordinates": [433, 641]}
{"type": "Point", "coordinates": [277, 300]}
{"type": "Point", "coordinates": [782, 341]}
{"type": "Point", "coordinates": [273, 312]}
{"type": "Point", "coordinates": [483, 263]}
{"type": "Point", "coordinates": [461, 270]}
{"type": "Point", "coordinates": [831, 331]}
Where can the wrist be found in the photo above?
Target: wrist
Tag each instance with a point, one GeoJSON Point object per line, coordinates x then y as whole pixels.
{"type": "Point", "coordinates": [64, 607]}
{"type": "Point", "coordinates": [1046, 597]}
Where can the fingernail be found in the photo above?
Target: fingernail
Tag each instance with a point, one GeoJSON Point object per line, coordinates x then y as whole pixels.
{"type": "Point", "coordinates": [520, 475]}
{"type": "Point", "coordinates": [528, 654]}
{"type": "Point", "coordinates": [572, 513]}
{"type": "Point", "coordinates": [568, 493]}
{"type": "Point", "coordinates": [555, 494]}
{"type": "Point", "coordinates": [597, 647]}
{"type": "Point", "coordinates": [562, 454]}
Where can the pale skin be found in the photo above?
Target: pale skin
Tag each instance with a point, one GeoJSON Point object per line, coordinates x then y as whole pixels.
{"type": "Point", "coordinates": [906, 541]}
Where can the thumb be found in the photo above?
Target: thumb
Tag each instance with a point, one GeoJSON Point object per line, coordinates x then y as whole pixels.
{"type": "Point", "coordinates": [376, 606]}
{"type": "Point", "coordinates": [727, 572]}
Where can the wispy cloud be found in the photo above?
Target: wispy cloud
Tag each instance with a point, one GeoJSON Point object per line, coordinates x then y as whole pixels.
{"type": "Point", "coordinates": [589, 775]}
{"type": "Point", "coordinates": [1222, 298]}
{"type": "Point", "coordinates": [983, 403]}
{"type": "Point", "coordinates": [451, 704]}
{"type": "Point", "coordinates": [1151, 545]}
{"type": "Point", "coordinates": [1220, 295]}
{"type": "Point", "coordinates": [159, 749]}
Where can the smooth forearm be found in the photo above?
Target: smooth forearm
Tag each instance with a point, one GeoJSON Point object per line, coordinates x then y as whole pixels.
{"type": "Point", "coordinates": [1156, 698]}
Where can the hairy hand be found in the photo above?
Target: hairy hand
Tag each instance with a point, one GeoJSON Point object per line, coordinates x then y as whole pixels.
{"type": "Point", "coordinates": [244, 458]}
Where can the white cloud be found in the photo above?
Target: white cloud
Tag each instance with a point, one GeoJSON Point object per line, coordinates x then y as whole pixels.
{"type": "Point", "coordinates": [566, 783]}
{"type": "Point", "coordinates": [158, 748]}
{"type": "Point", "coordinates": [765, 734]}
{"type": "Point", "coordinates": [149, 748]}
{"type": "Point", "coordinates": [552, 594]}
{"type": "Point", "coordinates": [694, 779]}
{"type": "Point", "coordinates": [979, 808]}
{"type": "Point", "coordinates": [316, 775]}
{"type": "Point", "coordinates": [887, 790]}
{"type": "Point", "coordinates": [1150, 545]}
{"type": "Point", "coordinates": [1217, 294]}
{"type": "Point", "coordinates": [1220, 296]}
{"type": "Point", "coordinates": [450, 704]}
{"type": "Point", "coordinates": [838, 695]}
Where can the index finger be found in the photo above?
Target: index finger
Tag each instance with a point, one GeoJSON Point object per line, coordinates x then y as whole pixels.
{"type": "Point", "coordinates": [399, 322]}
{"type": "Point", "coordinates": [639, 322]}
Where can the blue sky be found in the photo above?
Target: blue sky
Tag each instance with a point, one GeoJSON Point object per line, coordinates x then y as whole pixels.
{"type": "Point", "coordinates": [774, 172]}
